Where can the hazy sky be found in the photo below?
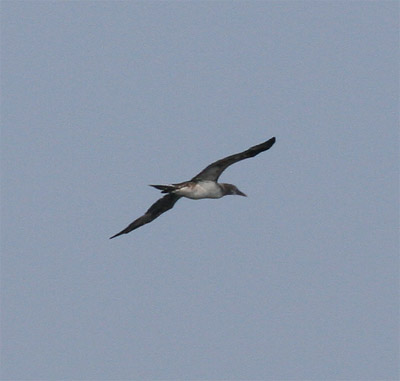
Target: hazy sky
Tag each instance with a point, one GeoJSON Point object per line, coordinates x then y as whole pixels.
{"type": "Point", "coordinates": [298, 281]}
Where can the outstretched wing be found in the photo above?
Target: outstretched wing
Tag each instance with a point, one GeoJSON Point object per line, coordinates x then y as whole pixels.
{"type": "Point", "coordinates": [214, 170]}
{"type": "Point", "coordinates": [159, 207]}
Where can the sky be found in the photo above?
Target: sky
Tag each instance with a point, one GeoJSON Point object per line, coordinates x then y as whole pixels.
{"type": "Point", "coordinates": [298, 281]}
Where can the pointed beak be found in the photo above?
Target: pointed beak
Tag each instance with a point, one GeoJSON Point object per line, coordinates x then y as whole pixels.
{"type": "Point", "coordinates": [241, 193]}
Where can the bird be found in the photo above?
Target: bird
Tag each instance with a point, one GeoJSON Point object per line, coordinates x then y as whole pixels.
{"type": "Point", "coordinates": [203, 185]}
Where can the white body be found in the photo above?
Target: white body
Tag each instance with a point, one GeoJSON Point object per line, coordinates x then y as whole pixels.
{"type": "Point", "coordinates": [202, 189]}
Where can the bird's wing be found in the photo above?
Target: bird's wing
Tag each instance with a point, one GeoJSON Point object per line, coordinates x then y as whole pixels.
{"type": "Point", "coordinates": [159, 207]}
{"type": "Point", "coordinates": [214, 170]}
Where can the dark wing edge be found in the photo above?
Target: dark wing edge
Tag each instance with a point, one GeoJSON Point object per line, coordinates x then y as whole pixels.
{"type": "Point", "coordinates": [159, 207]}
{"type": "Point", "coordinates": [214, 170]}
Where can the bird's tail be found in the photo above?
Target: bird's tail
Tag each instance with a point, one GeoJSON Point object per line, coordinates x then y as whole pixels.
{"type": "Point", "coordinates": [164, 188]}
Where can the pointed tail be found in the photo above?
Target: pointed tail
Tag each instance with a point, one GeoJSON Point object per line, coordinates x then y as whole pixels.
{"type": "Point", "coordinates": [164, 188]}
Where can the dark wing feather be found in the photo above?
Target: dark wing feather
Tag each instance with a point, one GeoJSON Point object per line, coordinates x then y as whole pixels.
{"type": "Point", "coordinates": [214, 170]}
{"type": "Point", "coordinates": [159, 207]}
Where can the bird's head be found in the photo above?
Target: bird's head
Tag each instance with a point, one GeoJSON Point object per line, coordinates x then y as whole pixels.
{"type": "Point", "coordinates": [231, 189]}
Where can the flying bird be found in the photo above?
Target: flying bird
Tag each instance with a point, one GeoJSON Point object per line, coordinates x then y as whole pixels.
{"type": "Point", "coordinates": [203, 185]}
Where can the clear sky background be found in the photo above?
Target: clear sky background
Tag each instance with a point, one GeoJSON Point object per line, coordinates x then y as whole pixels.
{"type": "Point", "coordinates": [298, 281]}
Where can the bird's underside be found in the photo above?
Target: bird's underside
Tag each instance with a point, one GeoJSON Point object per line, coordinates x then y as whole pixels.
{"type": "Point", "coordinates": [203, 185]}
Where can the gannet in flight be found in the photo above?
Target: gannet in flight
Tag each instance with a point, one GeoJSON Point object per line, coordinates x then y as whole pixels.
{"type": "Point", "coordinates": [203, 185]}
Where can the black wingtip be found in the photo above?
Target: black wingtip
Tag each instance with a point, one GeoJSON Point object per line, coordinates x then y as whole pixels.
{"type": "Point", "coordinates": [116, 235]}
{"type": "Point", "coordinates": [269, 143]}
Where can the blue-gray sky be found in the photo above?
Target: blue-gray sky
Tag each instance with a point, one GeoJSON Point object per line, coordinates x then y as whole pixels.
{"type": "Point", "coordinates": [298, 281]}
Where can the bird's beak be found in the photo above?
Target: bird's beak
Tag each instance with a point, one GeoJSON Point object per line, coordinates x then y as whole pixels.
{"type": "Point", "coordinates": [238, 192]}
